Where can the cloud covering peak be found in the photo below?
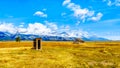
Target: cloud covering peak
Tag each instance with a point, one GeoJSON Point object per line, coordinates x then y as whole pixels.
{"type": "Point", "coordinates": [48, 28]}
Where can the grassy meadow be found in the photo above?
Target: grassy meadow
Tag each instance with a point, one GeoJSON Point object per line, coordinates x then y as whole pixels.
{"type": "Point", "coordinates": [60, 55]}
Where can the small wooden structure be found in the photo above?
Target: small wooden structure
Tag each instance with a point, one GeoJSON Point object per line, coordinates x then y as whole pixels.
{"type": "Point", "coordinates": [37, 43]}
{"type": "Point", "coordinates": [78, 41]}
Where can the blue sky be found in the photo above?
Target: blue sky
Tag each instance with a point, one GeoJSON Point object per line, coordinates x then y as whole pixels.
{"type": "Point", "coordinates": [76, 17]}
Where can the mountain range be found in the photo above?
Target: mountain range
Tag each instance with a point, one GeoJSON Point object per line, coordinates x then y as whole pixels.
{"type": "Point", "coordinates": [63, 36]}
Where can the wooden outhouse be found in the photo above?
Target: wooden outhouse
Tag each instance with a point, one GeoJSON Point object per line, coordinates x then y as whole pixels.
{"type": "Point", "coordinates": [37, 43]}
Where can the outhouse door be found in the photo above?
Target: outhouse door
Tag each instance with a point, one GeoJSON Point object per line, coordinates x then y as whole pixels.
{"type": "Point", "coordinates": [39, 44]}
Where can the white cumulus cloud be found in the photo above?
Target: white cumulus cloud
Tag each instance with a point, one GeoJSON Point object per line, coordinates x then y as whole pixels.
{"type": "Point", "coordinates": [38, 29]}
{"type": "Point", "coordinates": [66, 2]}
{"type": "Point", "coordinates": [7, 27]}
{"type": "Point", "coordinates": [112, 2]}
{"type": "Point", "coordinates": [81, 14]}
{"type": "Point", "coordinates": [40, 13]}
{"type": "Point", "coordinates": [97, 17]}
{"type": "Point", "coordinates": [35, 28]}
{"type": "Point", "coordinates": [51, 25]}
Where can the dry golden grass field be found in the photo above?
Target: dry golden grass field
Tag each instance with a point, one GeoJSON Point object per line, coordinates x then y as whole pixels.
{"type": "Point", "coordinates": [60, 55]}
